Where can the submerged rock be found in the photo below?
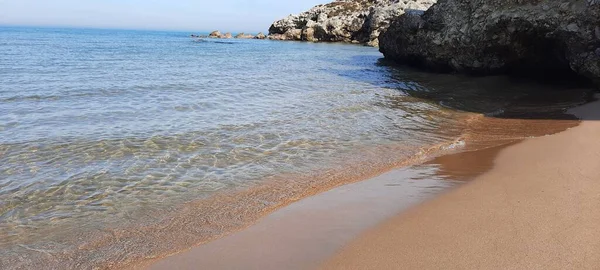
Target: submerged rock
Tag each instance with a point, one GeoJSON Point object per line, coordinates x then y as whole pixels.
{"type": "Point", "coordinates": [357, 21]}
{"type": "Point", "coordinates": [490, 36]}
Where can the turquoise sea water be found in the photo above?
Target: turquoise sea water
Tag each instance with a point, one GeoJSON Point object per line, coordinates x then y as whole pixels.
{"type": "Point", "coordinates": [105, 130]}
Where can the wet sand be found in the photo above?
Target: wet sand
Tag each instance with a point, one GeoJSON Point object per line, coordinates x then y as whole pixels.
{"type": "Point", "coordinates": [308, 232]}
{"type": "Point", "coordinates": [537, 208]}
{"type": "Point", "coordinates": [304, 234]}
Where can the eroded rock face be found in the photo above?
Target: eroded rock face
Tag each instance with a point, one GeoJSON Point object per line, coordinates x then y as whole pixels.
{"type": "Point", "coordinates": [357, 21]}
{"type": "Point", "coordinates": [499, 36]}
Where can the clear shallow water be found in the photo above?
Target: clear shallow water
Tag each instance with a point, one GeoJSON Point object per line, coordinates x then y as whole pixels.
{"type": "Point", "coordinates": [102, 130]}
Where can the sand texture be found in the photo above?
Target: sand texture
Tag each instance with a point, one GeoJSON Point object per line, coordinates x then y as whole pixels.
{"type": "Point", "coordinates": [308, 232]}
{"type": "Point", "coordinates": [537, 208]}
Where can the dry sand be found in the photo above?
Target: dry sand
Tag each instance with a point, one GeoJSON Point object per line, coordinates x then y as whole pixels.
{"type": "Point", "coordinates": [537, 208]}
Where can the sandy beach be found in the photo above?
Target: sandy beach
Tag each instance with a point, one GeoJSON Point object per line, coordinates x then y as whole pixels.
{"type": "Point", "coordinates": [525, 205]}
{"type": "Point", "coordinates": [537, 208]}
{"type": "Point", "coordinates": [308, 232]}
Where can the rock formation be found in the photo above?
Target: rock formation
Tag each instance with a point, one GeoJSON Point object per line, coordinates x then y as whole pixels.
{"type": "Point", "coordinates": [493, 36]}
{"type": "Point", "coordinates": [215, 34]}
{"type": "Point", "coordinates": [260, 36]}
{"type": "Point", "coordinates": [244, 36]}
{"type": "Point", "coordinates": [357, 21]}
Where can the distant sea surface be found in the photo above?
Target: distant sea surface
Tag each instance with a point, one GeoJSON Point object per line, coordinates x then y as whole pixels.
{"type": "Point", "coordinates": [121, 146]}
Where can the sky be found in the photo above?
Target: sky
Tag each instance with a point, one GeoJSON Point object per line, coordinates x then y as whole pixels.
{"type": "Point", "coordinates": [186, 15]}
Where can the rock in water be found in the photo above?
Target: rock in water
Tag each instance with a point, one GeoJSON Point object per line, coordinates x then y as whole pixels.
{"type": "Point", "coordinates": [491, 36]}
{"type": "Point", "coordinates": [244, 36]}
{"type": "Point", "coordinates": [260, 36]}
{"type": "Point", "coordinates": [215, 34]}
{"type": "Point", "coordinates": [357, 21]}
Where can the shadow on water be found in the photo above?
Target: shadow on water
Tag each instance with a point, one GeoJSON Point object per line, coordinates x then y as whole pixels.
{"type": "Point", "coordinates": [494, 96]}
{"type": "Point", "coordinates": [514, 107]}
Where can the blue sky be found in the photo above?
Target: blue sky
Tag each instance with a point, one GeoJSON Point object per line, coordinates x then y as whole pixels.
{"type": "Point", "coordinates": [188, 15]}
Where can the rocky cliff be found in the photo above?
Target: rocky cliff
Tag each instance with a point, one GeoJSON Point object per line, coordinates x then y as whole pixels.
{"type": "Point", "coordinates": [500, 36]}
{"type": "Point", "coordinates": [356, 21]}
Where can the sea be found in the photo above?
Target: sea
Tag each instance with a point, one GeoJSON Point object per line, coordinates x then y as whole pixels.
{"type": "Point", "coordinates": [120, 146]}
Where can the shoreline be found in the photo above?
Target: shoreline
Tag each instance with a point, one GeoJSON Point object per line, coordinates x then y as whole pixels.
{"type": "Point", "coordinates": [466, 165]}
{"type": "Point", "coordinates": [201, 223]}
{"type": "Point", "coordinates": [536, 208]}
{"type": "Point", "coordinates": [307, 232]}
{"type": "Point", "coordinates": [332, 218]}
{"type": "Point", "coordinates": [302, 191]}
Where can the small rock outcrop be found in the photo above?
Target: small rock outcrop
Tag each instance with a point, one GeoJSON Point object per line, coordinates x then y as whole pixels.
{"type": "Point", "coordinates": [260, 36]}
{"type": "Point", "coordinates": [218, 34]}
{"type": "Point", "coordinates": [492, 36]}
{"type": "Point", "coordinates": [215, 34]}
{"type": "Point", "coordinates": [244, 36]}
{"type": "Point", "coordinates": [356, 21]}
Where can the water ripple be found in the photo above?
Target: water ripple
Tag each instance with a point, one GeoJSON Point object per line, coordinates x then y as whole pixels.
{"type": "Point", "coordinates": [102, 129]}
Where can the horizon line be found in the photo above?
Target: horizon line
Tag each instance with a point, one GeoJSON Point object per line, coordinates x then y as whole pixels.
{"type": "Point", "coordinates": [121, 28]}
